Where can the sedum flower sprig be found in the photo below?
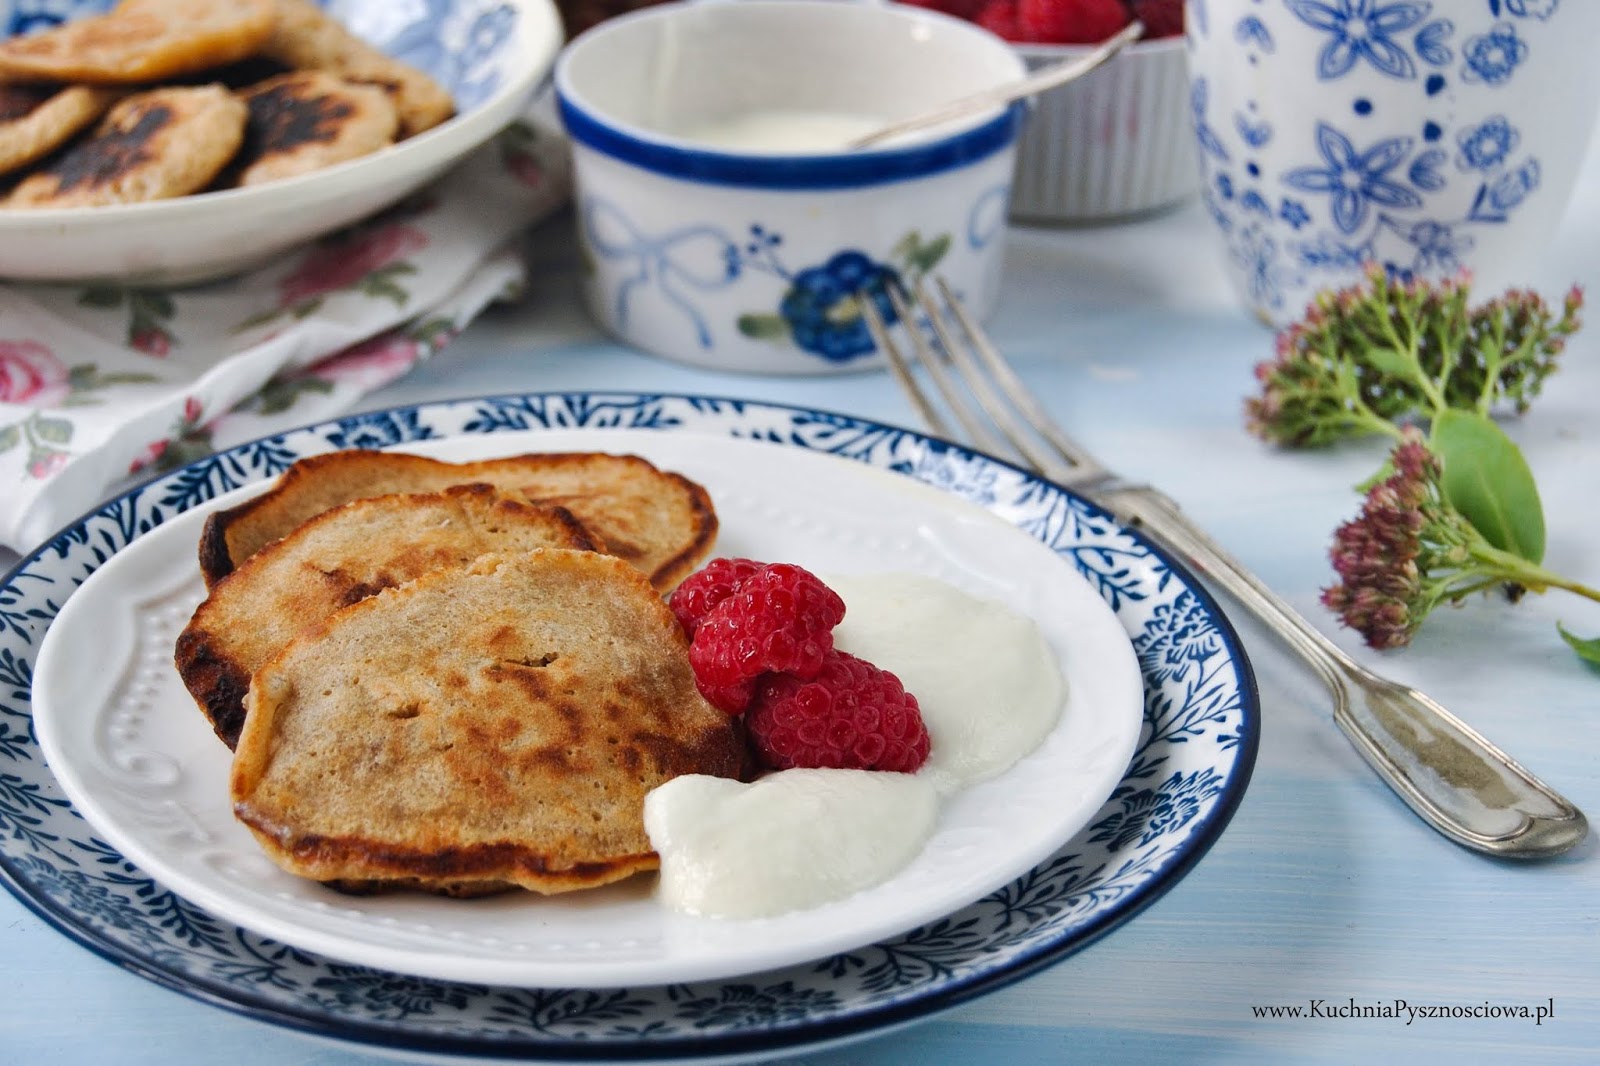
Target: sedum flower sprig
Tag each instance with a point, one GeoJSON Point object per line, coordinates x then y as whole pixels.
{"type": "Point", "coordinates": [1372, 357]}
{"type": "Point", "coordinates": [1454, 510]}
{"type": "Point", "coordinates": [1410, 551]}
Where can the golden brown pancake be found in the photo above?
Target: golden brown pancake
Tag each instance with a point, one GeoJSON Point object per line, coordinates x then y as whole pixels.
{"type": "Point", "coordinates": [140, 41]}
{"type": "Point", "coordinates": [35, 120]}
{"type": "Point", "coordinates": [307, 38]}
{"type": "Point", "coordinates": [339, 557]}
{"type": "Point", "coordinates": [661, 522]}
{"type": "Point", "coordinates": [309, 119]}
{"type": "Point", "coordinates": [483, 726]}
{"type": "Point", "coordinates": [152, 146]}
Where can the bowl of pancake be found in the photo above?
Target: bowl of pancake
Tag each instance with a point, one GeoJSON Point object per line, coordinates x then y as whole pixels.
{"type": "Point", "coordinates": [455, 678]}
{"type": "Point", "coordinates": [178, 141]}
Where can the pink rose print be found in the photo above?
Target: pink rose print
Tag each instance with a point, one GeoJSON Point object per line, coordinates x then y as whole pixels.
{"type": "Point", "coordinates": [30, 373]}
{"type": "Point", "coordinates": [345, 264]}
{"type": "Point", "coordinates": [152, 452]}
{"type": "Point", "coordinates": [151, 341]}
{"type": "Point", "coordinates": [526, 169]}
{"type": "Point", "coordinates": [372, 363]}
{"type": "Point", "coordinates": [46, 464]}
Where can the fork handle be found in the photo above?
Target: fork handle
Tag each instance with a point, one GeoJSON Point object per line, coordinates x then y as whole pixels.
{"type": "Point", "coordinates": [1454, 778]}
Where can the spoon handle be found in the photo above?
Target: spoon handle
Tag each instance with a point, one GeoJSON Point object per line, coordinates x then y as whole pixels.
{"type": "Point", "coordinates": [1048, 78]}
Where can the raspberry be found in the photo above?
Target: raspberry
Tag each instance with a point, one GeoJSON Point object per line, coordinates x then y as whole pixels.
{"type": "Point", "coordinates": [1161, 18]}
{"type": "Point", "coordinates": [780, 619]}
{"type": "Point", "coordinates": [999, 17]}
{"type": "Point", "coordinates": [1071, 21]}
{"type": "Point", "coordinates": [702, 590]}
{"type": "Point", "coordinates": [851, 716]}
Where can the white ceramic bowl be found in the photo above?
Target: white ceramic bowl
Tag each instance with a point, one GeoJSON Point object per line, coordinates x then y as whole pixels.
{"type": "Point", "coordinates": [740, 260]}
{"type": "Point", "coordinates": [1111, 145]}
{"type": "Point", "coordinates": [492, 56]}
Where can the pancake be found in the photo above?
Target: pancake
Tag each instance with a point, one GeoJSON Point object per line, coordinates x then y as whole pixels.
{"type": "Point", "coordinates": [305, 37]}
{"type": "Point", "coordinates": [484, 726]}
{"type": "Point", "coordinates": [663, 523]}
{"type": "Point", "coordinates": [308, 120]}
{"type": "Point", "coordinates": [35, 120]}
{"type": "Point", "coordinates": [342, 556]}
{"type": "Point", "coordinates": [140, 41]}
{"type": "Point", "coordinates": [151, 146]}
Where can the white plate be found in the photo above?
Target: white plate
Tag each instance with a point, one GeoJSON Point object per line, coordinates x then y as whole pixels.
{"type": "Point", "coordinates": [141, 763]}
{"type": "Point", "coordinates": [491, 56]}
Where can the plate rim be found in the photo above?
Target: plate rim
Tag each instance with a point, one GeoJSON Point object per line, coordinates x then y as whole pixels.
{"type": "Point", "coordinates": [160, 562]}
{"type": "Point", "coordinates": [742, 1043]}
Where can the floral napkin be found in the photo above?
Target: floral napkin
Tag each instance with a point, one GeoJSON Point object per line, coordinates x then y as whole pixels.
{"type": "Point", "coordinates": [104, 381]}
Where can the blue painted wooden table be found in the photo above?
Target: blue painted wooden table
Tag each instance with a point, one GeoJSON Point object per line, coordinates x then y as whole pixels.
{"type": "Point", "coordinates": [1325, 893]}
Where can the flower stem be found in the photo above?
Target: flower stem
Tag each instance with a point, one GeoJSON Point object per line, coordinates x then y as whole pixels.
{"type": "Point", "coordinates": [1531, 576]}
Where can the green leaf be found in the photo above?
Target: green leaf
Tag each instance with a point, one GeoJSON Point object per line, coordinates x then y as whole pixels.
{"type": "Point", "coordinates": [925, 257]}
{"type": "Point", "coordinates": [907, 246]}
{"type": "Point", "coordinates": [153, 302]}
{"type": "Point", "coordinates": [763, 327]}
{"type": "Point", "coordinates": [1588, 650]}
{"type": "Point", "coordinates": [10, 437]}
{"type": "Point", "coordinates": [280, 394]}
{"type": "Point", "coordinates": [52, 430]}
{"type": "Point", "coordinates": [1489, 482]}
{"type": "Point", "coordinates": [100, 296]}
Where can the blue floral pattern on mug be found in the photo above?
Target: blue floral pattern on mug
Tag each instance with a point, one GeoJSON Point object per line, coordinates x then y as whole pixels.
{"type": "Point", "coordinates": [1408, 138]}
{"type": "Point", "coordinates": [1362, 31]}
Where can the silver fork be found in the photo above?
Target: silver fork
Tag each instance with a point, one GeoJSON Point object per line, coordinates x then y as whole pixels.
{"type": "Point", "coordinates": [1454, 778]}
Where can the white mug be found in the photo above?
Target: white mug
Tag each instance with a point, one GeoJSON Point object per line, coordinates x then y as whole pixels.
{"type": "Point", "coordinates": [1430, 136]}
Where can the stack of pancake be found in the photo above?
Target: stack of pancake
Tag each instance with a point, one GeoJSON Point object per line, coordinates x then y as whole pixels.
{"type": "Point", "coordinates": [455, 677]}
{"type": "Point", "coordinates": [162, 98]}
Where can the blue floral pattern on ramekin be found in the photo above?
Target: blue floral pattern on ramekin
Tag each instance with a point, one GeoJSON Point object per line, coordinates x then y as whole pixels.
{"type": "Point", "coordinates": [460, 43]}
{"type": "Point", "coordinates": [1416, 200]}
{"type": "Point", "coordinates": [1192, 764]}
{"type": "Point", "coordinates": [816, 308]}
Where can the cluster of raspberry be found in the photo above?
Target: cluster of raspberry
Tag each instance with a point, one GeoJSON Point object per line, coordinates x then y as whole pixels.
{"type": "Point", "coordinates": [761, 644]}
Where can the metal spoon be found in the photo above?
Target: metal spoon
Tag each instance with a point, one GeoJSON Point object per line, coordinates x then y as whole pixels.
{"type": "Point", "coordinates": [1033, 84]}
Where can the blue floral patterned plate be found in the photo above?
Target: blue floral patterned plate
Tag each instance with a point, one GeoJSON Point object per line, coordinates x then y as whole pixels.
{"type": "Point", "coordinates": [1189, 770]}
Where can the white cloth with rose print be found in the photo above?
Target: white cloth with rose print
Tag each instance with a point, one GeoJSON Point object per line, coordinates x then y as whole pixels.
{"type": "Point", "coordinates": [100, 382]}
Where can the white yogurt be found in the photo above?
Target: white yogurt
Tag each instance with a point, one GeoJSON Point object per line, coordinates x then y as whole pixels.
{"type": "Point", "coordinates": [782, 132]}
{"type": "Point", "coordinates": [988, 684]}
{"type": "Point", "coordinates": [990, 689]}
{"type": "Point", "coordinates": [787, 841]}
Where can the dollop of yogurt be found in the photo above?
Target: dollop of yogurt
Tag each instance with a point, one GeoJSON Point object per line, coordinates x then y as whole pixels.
{"type": "Point", "coordinates": [988, 683]}
{"type": "Point", "coordinates": [790, 840]}
{"type": "Point", "coordinates": [783, 132]}
{"type": "Point", "coordinates": [990, 689]}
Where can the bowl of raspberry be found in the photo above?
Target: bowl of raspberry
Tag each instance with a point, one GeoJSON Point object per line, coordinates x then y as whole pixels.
{"type": "Point", "coordinates": [1111, 145]}
{"type": "Point", "coordinates": [725, 219]}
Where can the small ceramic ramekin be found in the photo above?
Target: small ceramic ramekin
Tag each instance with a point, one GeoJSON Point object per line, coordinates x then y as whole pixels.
{"type": "Point", "coordinates": [1111, 145]}
{"type": "Point", "coordinates": [756, 261]}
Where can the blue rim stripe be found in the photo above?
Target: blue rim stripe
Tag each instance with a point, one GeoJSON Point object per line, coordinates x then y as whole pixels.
{"type": "Point", "coordinates": [795, 171]}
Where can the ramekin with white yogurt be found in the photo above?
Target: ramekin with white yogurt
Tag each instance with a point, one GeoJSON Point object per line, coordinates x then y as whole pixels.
{"type": "Point", "coordinates": [724, 220]}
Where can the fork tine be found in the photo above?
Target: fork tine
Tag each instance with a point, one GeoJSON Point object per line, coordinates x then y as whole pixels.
{"type": "Point", "coordinates": [901, 368]}
{"type": "Point", "coordinates": [979, 433]}
{"type": "Point", "coordinates": [1084, 465]}
{"type": "Point", "coordinates": [1000, 412]}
